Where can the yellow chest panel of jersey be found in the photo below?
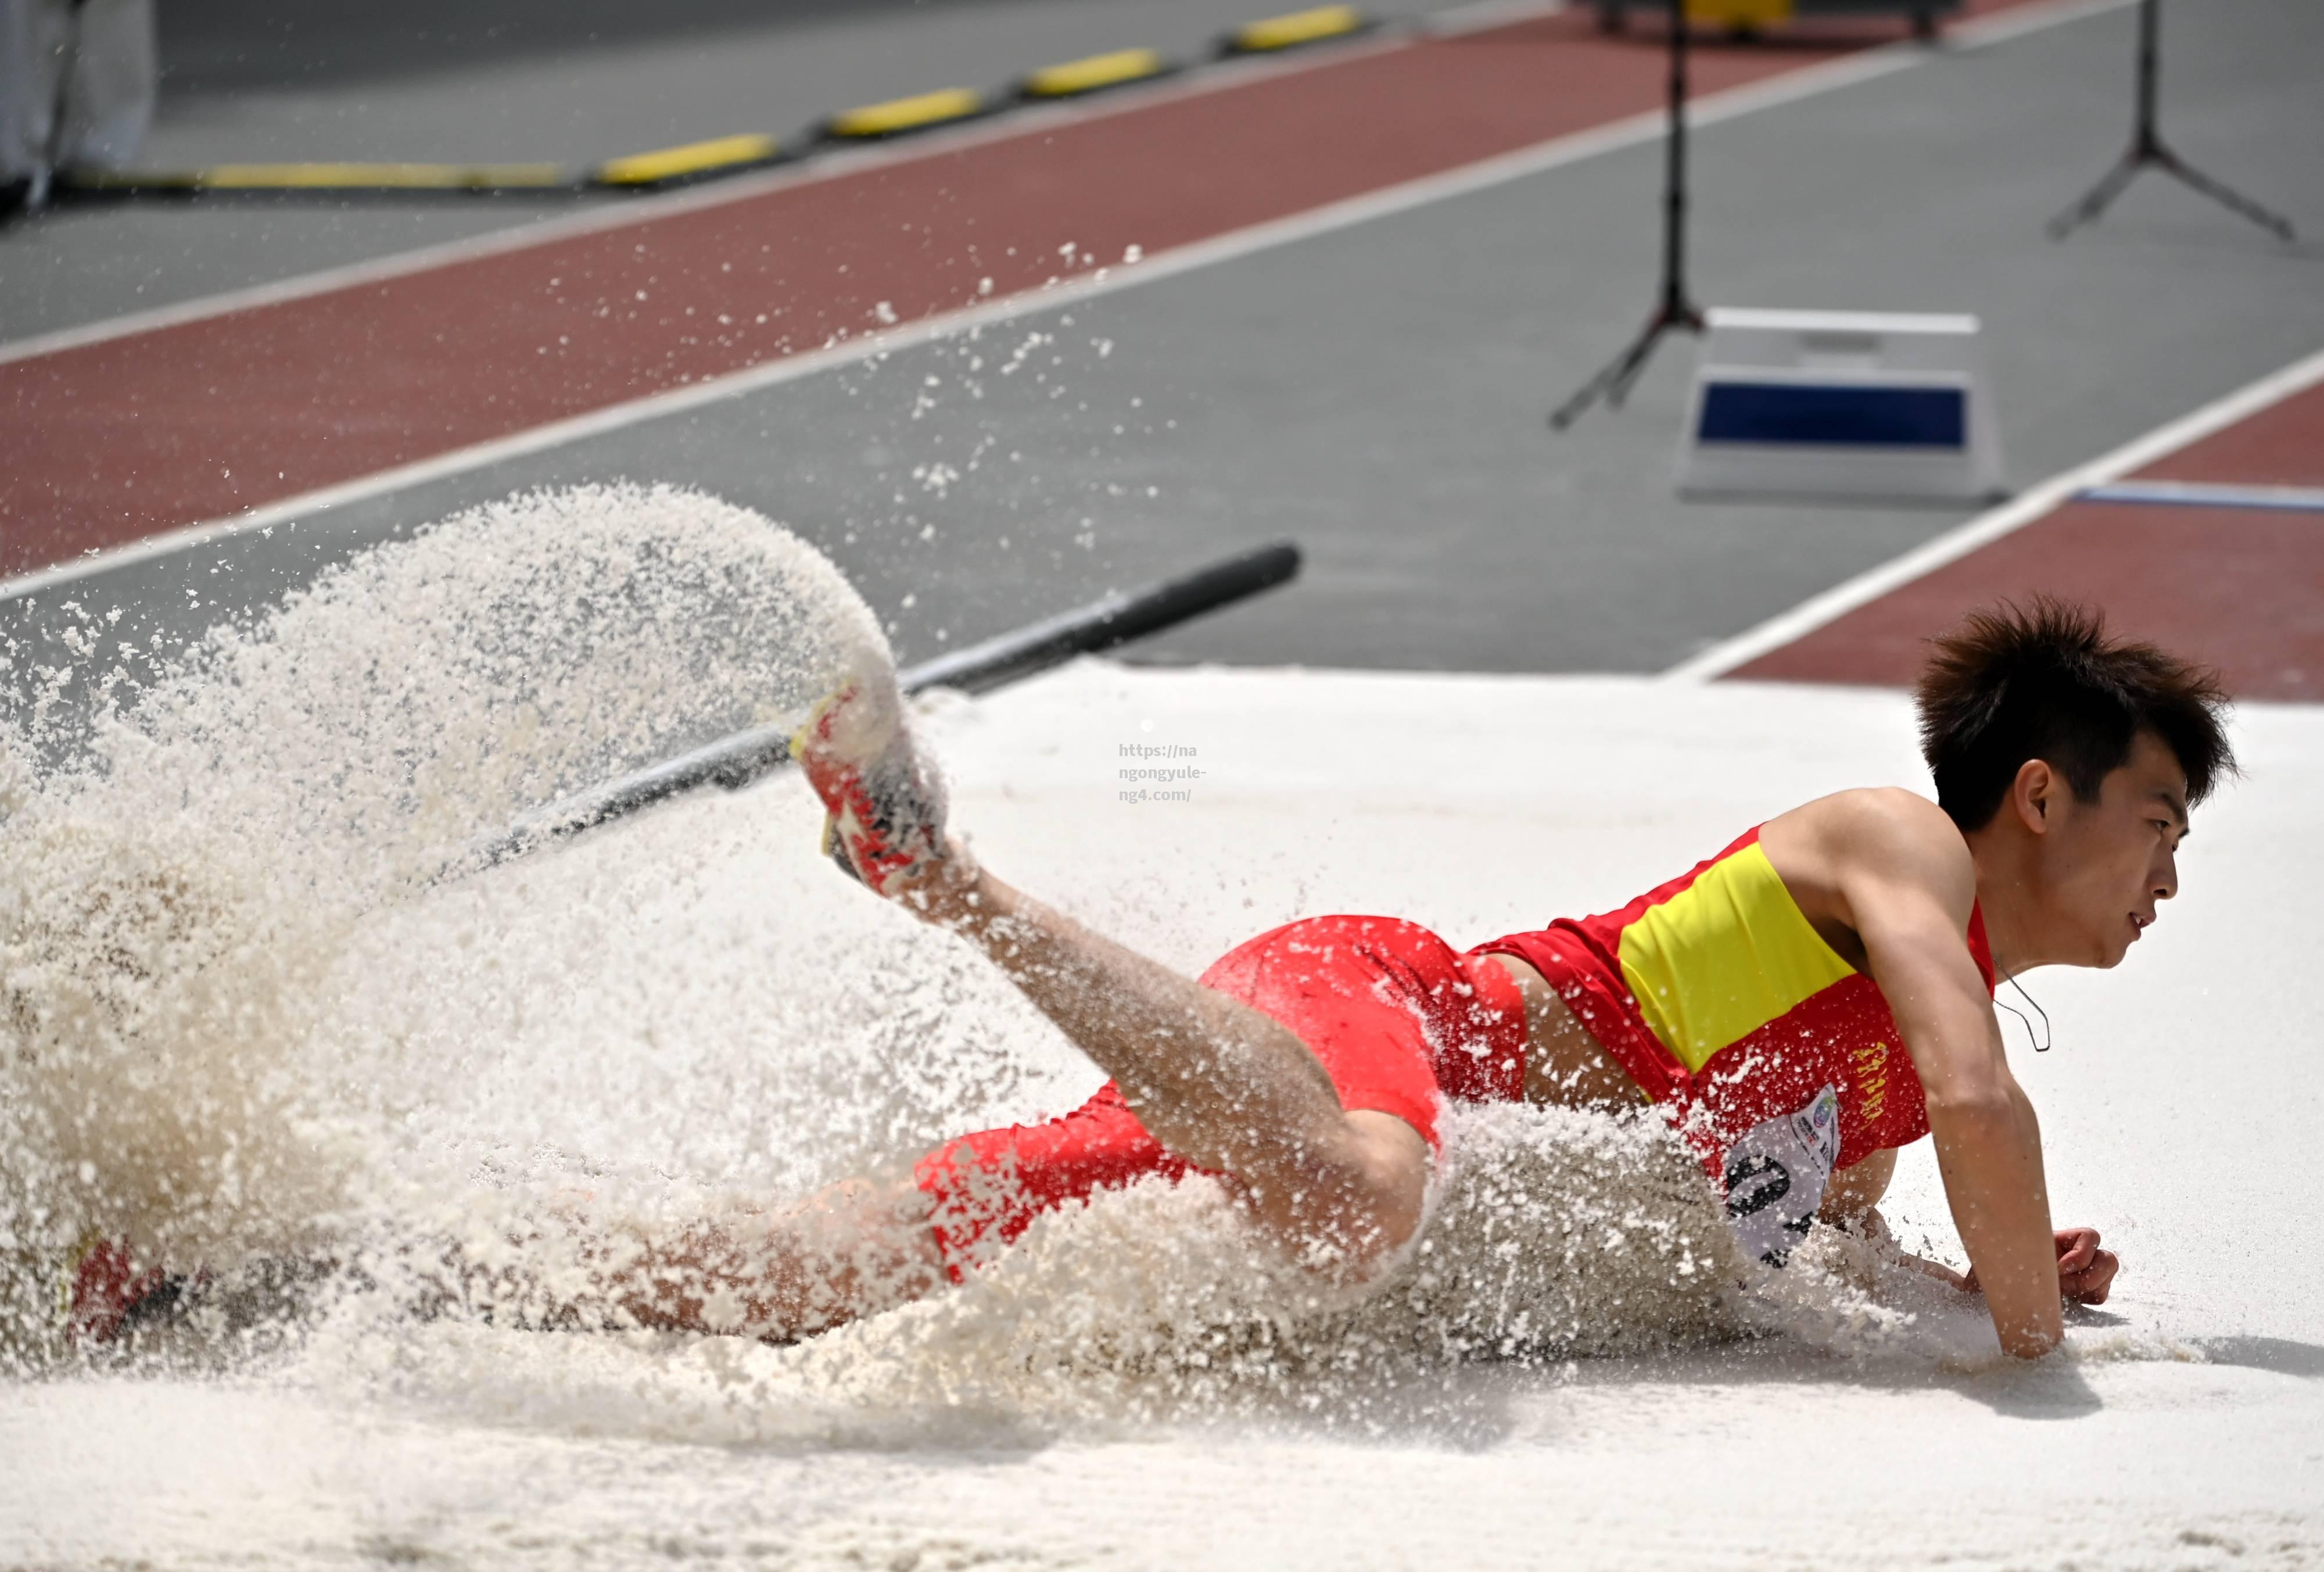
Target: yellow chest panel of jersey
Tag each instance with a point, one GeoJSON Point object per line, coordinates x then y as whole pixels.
{"type": "Point", "coordinates": [1724, 956]}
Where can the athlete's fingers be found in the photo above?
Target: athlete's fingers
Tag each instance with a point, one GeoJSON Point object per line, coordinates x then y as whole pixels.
{"type": "Point", "coordinates": [2090, 1280]}
{"type": "Point", "coordinates": [2080, 1277]}
{"type": "Point", "coordinates": [2091, 1285]}
{"type": "Point", "coordinates": [2076, 1249]}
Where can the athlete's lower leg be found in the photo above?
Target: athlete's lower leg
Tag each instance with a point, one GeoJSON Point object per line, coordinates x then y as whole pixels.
{"type": "Point", "coordinates": [853, 1249]}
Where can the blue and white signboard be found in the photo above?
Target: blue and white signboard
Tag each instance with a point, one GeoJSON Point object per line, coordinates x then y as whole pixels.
{"type": "Point", "coordinates": [1874, 405]}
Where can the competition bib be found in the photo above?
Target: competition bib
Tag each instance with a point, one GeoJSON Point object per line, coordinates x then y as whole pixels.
{"type": "Point", "coordinates": [1777, 1174]}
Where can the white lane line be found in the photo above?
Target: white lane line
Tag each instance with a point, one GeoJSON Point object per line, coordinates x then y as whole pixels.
{"type": "Point", "coordinates": [2016, 514]}
{"type": "Point", "coordinates": [1848, 70]}
{"type": "Point", "coordinates": [2197, 494]}
{"type": "Point", "coordinates": [1481, 16]}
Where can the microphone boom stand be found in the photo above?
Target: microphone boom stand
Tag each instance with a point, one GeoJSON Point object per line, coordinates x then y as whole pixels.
{"type": "Point", "coordinates": [1675, 311]}
{"type": "Point", "coordinates": [2148, 148]}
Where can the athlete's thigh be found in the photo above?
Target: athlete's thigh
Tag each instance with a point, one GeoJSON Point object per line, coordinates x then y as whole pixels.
{"type": "Point", "coordinates": [868, 1240]}
{"type": "Point", "coordinates": [1390, 1171]}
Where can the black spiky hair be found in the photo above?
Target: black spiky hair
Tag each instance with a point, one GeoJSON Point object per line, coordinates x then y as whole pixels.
{"type": "Point", "coordinates": [2046, 681]}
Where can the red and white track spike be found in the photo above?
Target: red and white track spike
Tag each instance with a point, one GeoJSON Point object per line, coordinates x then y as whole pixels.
{"type": "Point", "coordinates": [886, 819]}
{"type": "Point", "coordinates": [104, 1287]}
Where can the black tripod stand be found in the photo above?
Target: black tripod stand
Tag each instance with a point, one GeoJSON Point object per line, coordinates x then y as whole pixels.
{"type": "Point", "coordinates": [2147, 147]}
{"type": "Point", "coordinates": [1676, 312]}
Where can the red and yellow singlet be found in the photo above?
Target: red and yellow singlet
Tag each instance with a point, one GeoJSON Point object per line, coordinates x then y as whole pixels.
{"type": "Point", "coordinates": [1779, 1060]}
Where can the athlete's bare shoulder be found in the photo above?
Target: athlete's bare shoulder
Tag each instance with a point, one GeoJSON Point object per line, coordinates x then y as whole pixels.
{"type": "Point", "coordinates": [1837, 851]}
{"type": "Point", "coordinates": [1880, 824]}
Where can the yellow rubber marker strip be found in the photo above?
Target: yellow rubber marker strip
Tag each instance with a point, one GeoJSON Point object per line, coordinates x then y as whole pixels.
{"type": "Point", "coordinates": [695, 157]}
{"type": "Point", "coordinates": [1098, 70]}
{"type": "Point", "coordinates": [1738, 13]}
{"type": "Point", "coordinates": [886, 119]}
{"type": "Point", "coordinates": [1298, 27]}
{"type": "Point", "coordinates": [400, 177]}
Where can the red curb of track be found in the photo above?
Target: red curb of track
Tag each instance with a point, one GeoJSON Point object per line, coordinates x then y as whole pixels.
{"type": "Point", "coordinates": [131, 437]}
{"type": "Point", "coordinates": [2241, 589]}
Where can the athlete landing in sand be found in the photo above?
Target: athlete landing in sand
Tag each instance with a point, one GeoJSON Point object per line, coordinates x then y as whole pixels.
{"type": "Point", "coordinates": [1815, 997]}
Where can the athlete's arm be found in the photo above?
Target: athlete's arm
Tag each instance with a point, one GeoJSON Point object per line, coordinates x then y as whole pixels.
{"type": "Point", "coordinates": [2086, 1273]}
{"type": "Point", "coordinates": [1852, 1200]}
{"type": "Point", "coordinates": [1872, 1225]}
{"type": "Point", "coordinates": [1856, 1189]}
{"type": "Point", "coordinates": [1908, 885]}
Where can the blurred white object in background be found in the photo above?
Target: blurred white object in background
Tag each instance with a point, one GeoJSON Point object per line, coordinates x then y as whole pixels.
{"type": "Point", "coordinates": [78, 81]}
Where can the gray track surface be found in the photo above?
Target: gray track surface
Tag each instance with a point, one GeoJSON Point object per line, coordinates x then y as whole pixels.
{"type": "Point", "coordinates": [1378, 393]}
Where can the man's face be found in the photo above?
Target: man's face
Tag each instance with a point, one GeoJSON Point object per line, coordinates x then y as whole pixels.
{"type": "Point", "coordinates": [2110, 861]}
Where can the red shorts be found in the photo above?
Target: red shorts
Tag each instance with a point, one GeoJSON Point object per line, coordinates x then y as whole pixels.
{"type": "Point", "coordinates": [1397, 1017]}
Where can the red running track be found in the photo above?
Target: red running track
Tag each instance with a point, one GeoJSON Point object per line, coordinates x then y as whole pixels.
{"type": "Point", "coordinates": [2239, 588]}
{"type": "Point", "coordinates": [114, 441]}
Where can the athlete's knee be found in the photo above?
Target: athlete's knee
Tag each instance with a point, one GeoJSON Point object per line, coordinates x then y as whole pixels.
{"type": "Point", "coordinates": [1346, 1211]}
{"type": "Point", "coordinates": [860, 1246]}
{"type": "Point", "coordinates": [849, 1250]}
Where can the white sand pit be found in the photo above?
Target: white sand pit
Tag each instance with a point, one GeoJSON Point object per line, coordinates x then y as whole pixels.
{"type": "Point", "coordinates": [695, 1006]}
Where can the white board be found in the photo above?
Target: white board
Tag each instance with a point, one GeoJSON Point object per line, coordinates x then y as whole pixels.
{"type": "Point", "coordinates": [1862, 405]}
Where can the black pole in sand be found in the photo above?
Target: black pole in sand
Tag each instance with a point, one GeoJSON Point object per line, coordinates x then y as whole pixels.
{"type": "Point", "coordinates": [736, 761]}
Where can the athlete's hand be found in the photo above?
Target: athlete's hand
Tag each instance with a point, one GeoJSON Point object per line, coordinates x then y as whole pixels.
{"type": "Point", "coordinates": [2085, 1273]}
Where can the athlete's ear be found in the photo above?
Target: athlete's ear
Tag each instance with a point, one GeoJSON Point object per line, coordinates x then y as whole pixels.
{"type": "Point", "coordinates": [2031, 794]}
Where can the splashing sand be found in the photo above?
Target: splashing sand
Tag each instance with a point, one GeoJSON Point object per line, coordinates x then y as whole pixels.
{"type": "Point", "coordinates": [190, 904]}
